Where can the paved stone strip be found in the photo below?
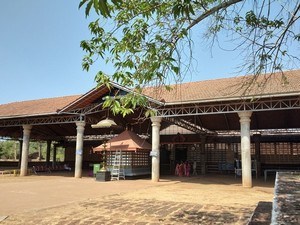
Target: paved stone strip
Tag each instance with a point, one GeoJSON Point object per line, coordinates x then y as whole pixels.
{"type": "Point", "coordinates": [117, 210]}
{"type": "Point", "coordinates": [261, 214]}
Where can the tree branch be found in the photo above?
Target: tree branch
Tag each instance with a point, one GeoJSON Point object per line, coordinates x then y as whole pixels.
{"type": "Point", "coordinates": [223, 5]}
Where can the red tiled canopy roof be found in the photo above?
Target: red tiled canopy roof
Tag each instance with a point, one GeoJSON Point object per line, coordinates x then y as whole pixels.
{"type": "Point", "coordinates": [126, 141]}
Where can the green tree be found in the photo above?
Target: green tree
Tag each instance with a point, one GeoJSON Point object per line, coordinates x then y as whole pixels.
{"type": "Point", "coordinates": [9, 149]}
{"type": "Point", "coordinates": [147, 41]}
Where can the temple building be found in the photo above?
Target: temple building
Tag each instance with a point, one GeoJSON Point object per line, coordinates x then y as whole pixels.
{"type": "Point", "coordinates": [214, 124]}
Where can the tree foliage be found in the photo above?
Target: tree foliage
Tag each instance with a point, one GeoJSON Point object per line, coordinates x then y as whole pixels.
{"type": "Point", "coordinates": [8, 149]}
{"type": "Point", "coordinates": [147, 41]}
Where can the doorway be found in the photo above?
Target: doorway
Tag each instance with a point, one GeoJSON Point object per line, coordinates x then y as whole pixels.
{"type": "Point", "coordinates": [180, 154]}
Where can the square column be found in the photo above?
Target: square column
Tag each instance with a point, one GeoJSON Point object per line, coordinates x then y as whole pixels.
{"type": "Point", "coordinates": [54, 155]}
{"type": "Point", "coordinates": [25, 150]}
{"type": "Point", "coordinates": [48, 153]}
{"type": "Point", "coordinates": [203, 155]}
{"type": "Point", "coordinates": [155, 148]}
{"type": "Point", "coordinates": [245, 148]}
{"type": "Point", "coordinates": [79, 149]}
{"type": "Point", "coordinates": [256, 139]}
{"type": "Point", "coordinates": [20, 153]}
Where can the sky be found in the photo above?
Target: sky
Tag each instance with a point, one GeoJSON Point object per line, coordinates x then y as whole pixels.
{"type": "Point", "coordinates": [40, 54]}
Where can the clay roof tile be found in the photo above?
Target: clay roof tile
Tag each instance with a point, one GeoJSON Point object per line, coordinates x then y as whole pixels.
{"type": "Point", "coordinates": [35, 107]}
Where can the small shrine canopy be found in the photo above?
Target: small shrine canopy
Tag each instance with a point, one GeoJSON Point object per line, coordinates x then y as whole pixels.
{"type": "Point", "coordinates": [125, 141]}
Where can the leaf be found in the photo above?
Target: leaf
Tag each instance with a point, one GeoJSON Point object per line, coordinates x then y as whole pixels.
{"type": "Point", "coordinates": [108, 102]}
{"type": "Point", "coordinates": [126, 111]}
{"type": "Point", "coordinates": [168, 88]}
{"type": "Point", "coordinates": [88, 8]}
{"type": "Point", "coordinates": [82, 3]}
{"type": "Point", "coordinates": [104, 8]}
{"type": "Point", "coordinates": [150, 113]}
{"type": "Point", "coordinates": [175, 69]}
{"type": "Point", "coordinates": [96, 6]}
{"type": "Point", "coordinates": [116, 2]}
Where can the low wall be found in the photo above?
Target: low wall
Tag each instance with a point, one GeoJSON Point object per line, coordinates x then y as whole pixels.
{"type": "Point", "coordinates": [286, 203]}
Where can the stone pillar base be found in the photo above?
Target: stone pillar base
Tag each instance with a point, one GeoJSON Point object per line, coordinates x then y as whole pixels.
{"type": "Point", "coordinates": [103, 176]}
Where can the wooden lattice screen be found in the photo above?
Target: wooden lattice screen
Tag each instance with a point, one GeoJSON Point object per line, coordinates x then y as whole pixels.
{"type": "Point", "coordinates": [130, 158]}
{"type": "Point", "coordinates": [280, 153]}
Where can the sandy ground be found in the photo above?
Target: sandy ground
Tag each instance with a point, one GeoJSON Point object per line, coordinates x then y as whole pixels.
{"type": "Point", "coordinates": [53, 199]}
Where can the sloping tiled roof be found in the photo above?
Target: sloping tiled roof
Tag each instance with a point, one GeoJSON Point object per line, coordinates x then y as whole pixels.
{"type": "Point", "coordinates": [229, 88]}
{"type": "Point", "coordinates": [35, 107]}
{"type": "Point", "coordinates": [126, 141]}
{"type": "Point", "coordinates": [209, 90]}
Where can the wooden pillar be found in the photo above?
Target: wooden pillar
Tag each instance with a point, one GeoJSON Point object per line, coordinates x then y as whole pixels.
{"type": "Point", "coordinates": [25, 149]}
{"type": "Point", "coordinates": [203, 155]}
{"type": "Point", "coordinates": [155, 148]}
{"type": "Point", "coordinates": [256, 139]}
{"type": "Point", "coordinates": [40, 152]}
{"type": "Point", "coordinates": [245, 148]}
{"type": "Point", "coordinates": [20, 153]}
{"type": "Point", "coordinates": [15, 151]}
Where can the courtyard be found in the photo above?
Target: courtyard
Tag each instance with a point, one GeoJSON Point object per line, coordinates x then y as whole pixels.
{"type": "Point", "coordinates": [63, 199]}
